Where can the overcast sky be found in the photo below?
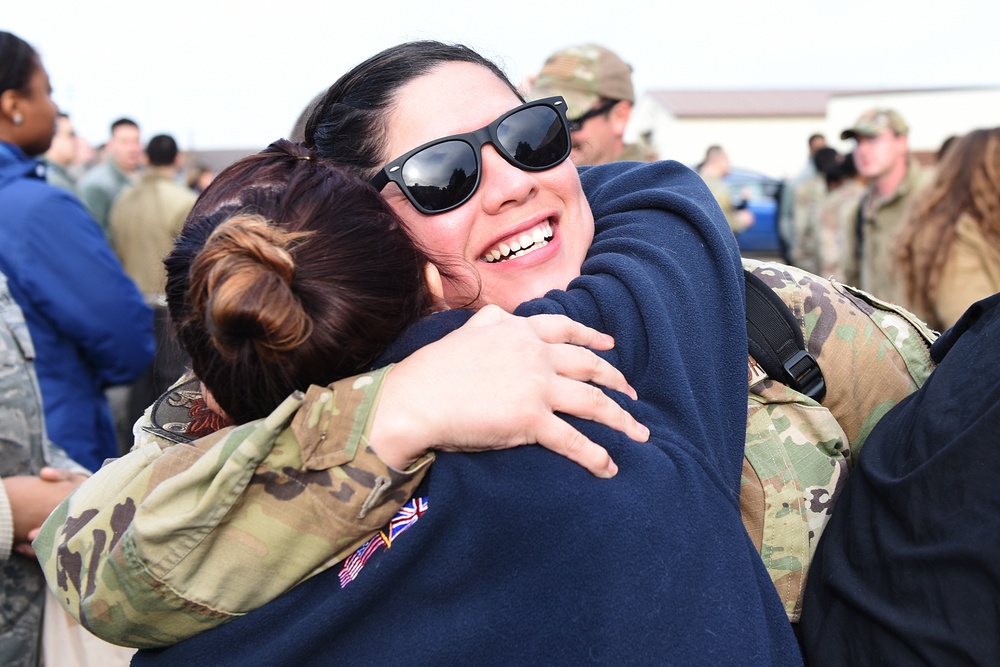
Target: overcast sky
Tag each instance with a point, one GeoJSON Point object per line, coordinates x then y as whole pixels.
{"type": "Point", "coordinates": [236, 74]}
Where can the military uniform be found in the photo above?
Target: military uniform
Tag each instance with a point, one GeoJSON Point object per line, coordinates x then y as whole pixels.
{"type": "Point", "coordinates": [24, 450]}
{"type": "Point", "coordinates": [880, 219]}
{"type": "Point", "coordinates": [836, 221]}
{"type": "Point", "coordinates": [223, 523]}
{"type": "Point", "coordinates": [636, 153]}
{"type": "Point", "coordinates": [721, 193]}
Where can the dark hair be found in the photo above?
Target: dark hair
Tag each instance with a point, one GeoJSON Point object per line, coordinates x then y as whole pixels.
{"type": "Point", "coordinates": [348, 124]}
{"type": "Point", "coordinates": [289, 272]}
{"type": "Point", "coordinates": [162, 150]}
{"type": "Point", "coordinates": [123, 122]}
{"type": "Point", "coordinates": [827, 162]}
{"type": "Point", "coordinates": [847, 167]}
{"type": "Point", "coordinates": [18, 61]}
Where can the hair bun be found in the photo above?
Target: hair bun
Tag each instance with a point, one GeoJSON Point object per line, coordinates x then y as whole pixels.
{"type": "Point", "coordinates": [242, 283]}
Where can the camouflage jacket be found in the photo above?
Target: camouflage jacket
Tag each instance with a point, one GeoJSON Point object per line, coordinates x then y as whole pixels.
{"type": "Point", "coordinates": [181, 535]}
{"type": "Point", "coordinates": [184, 537]}
{"type": "Point", "coordinates": [24, 450]}
{"type": "Point", "coordinates": [798, 452]}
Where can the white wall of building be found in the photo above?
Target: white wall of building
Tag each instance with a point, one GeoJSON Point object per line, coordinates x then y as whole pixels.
{"type": "Point", "coordinates": [777, 147]}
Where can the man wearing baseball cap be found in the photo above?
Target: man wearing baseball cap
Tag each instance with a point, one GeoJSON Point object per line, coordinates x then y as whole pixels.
{"type": "Point", "coordinates": [883, 157]}
{"type": "Point", "coordinates": [597, 86]}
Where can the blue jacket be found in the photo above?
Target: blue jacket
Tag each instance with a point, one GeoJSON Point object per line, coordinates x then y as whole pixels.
{"type": "Point", "coordinates": [89, 323]}
{"type": "Point", "coordinates": [524, 558]}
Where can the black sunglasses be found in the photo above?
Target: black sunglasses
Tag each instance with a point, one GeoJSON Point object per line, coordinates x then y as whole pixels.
{"type": "Point", "coordinates": [444, 174]}
{"type": "Point", "coordinates": [576, 124]}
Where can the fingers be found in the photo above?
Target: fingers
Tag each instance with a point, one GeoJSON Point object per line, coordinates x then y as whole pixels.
{"type": "Point", "coordinates": [488, 315]}
{"type": "Point", "coordinates": [50, 474]}
{"type": "Point", "coordinates": [561, 329]}
{"type": "Point", "coordinates": [24, 548]}
{"type": "Point", "coordinates": [588, 402]}
{"type": "Point", "coordinates": [577, 363]}
{"type": "Point", "coordinates": [561, 438]}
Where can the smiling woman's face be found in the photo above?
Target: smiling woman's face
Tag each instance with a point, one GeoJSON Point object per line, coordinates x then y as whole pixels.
{"type": "Point", "coordinates": [544, 213]}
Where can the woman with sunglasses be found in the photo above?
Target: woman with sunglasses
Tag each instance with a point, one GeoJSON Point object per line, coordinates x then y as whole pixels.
{"type": "Point", "coordinates": [545, 566]}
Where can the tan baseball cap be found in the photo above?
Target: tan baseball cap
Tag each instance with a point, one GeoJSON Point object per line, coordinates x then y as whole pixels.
{"type": "Point", "coordinates": [583, 75]}
{"type": "Point", "coordinates": [874, 121]}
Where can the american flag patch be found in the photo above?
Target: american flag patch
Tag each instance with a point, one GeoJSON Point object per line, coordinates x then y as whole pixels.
{"type": "Point", "coordinates": [405, 517]}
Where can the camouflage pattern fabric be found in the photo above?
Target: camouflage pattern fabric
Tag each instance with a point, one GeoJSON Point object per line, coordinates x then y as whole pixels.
{"type": "Point", "coordinates": [808, 196]}
{"type": "Point", "coordinates": [799, 452]}
{"type": "Point", "coordinates": [837, 220]}
{"type": "Point", "coordinates": [24, 450]}
{"type": "Point", "coordinates": [881, 218]}
{"type": "Point", "coordinates": [178, 537]}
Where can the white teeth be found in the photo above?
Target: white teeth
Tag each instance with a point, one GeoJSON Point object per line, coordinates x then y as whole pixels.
{"type": "Point", "coordinates": [537, 238]}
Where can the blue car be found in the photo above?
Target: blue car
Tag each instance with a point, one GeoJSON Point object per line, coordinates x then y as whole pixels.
{"type": "Point", "coordinates": [761, 195]}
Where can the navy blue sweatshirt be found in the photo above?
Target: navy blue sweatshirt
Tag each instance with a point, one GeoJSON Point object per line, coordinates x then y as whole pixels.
{"type": "Point", "coordinates": [523, 557]}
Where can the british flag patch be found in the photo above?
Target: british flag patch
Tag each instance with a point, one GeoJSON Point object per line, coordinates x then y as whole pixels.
{"type": "Point", "coordinates": [405, 517]}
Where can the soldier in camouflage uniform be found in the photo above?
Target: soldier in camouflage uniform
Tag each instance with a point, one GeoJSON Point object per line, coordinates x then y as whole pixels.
{"type": "Point", "coordinates": [168, 527]}
{"type": "Point", "coordinates": [24, 451]}
{"type": "Point", "coordinates": [597, 87]}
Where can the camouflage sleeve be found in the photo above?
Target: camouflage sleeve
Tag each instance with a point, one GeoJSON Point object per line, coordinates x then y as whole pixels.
{"type": "Point", "coordinates": [172, 540]}
{"type": "Point", "coordinates": [799, 452]}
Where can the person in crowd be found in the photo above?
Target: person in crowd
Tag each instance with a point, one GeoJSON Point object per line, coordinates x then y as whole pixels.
{"type": "Point", "coordinates": [35, 476]}
{"type": "Point", "coordinates": [145, 219]}
{"type": "Point", "coordinates": [948, 253]}
{"type": "Point", "coordinates": [597, 85]}
{"type": "Point", "coordinates": [122, 157]}
{"type": "Point", "coordinates": [906, 572]}
{"type": "Point", "coordinates": [198, 177]}
{"type": "Point", "coordinates": [61, 154]}
{"type": "Point", "coordinates": [882, 156]}
{"type": "Point", "coordinates": [517, 225]}
{"type": "Point", "coordinates": [88, 321]}
{"type": "Point", "coordinates": [787, 201]}
{"type": "Point", "coordinates": [712, 170]}
{"type": "Point", "coordinates": [836, 218]}
{"type": "Point", "coordinates": [808, 195]}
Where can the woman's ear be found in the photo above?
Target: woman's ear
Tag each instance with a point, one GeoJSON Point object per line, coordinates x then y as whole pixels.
{"type": "Point", "coordinates": [9, 102]}
{"type": "Point", "coordinates": [211, 403]}
{"type": "Point", "coordinates": [433, 278]}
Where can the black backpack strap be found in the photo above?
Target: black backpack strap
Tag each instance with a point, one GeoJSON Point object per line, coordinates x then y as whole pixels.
{"type": "Point", "coordinates": [775, 340]}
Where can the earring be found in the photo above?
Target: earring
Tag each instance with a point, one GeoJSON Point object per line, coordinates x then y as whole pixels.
{"type": "Point", "coordinates": [18, 119]}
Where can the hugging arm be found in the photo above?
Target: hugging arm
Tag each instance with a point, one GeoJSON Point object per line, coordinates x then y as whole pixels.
{"type": "Point", "coordinates": [170, 541]}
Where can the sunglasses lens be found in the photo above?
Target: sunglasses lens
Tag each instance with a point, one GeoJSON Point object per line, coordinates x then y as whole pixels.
{"type": "Point", "coordinates": [534, 137]}
{"type": "Point", "coordinates": [441, 176]}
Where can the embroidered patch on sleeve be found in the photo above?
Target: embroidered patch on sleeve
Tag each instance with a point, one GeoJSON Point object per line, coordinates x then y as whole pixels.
{"type": "Point", "coordinates": [405, 517]}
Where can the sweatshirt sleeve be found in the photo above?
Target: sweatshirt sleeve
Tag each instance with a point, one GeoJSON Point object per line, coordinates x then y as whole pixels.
{"type": "Point", "coordinates": [664, 278]}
